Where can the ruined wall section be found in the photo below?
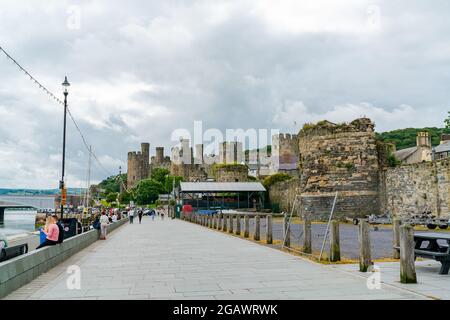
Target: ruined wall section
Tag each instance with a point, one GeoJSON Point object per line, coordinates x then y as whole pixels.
{"type": "Point", "coordinates": [283, 193]}
{"type": "Point", "coordinates": [415, 188]}
{"type": "Point", "coordinates": [341, 158]}
{"type": "Point", "coordinates": [231, 173]}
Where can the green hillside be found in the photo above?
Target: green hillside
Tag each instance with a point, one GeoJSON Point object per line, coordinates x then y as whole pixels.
{"type": "Point", "coordinates": [406, 138]}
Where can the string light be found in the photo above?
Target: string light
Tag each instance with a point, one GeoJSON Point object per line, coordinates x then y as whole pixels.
{"type": "Point", "coordinates": [59, 101]}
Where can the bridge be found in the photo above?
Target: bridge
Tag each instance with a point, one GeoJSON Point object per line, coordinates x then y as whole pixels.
{"type": "Point", "coordinates": [37, 202]}
{"type": "Point", "coordinates": [24, 202]}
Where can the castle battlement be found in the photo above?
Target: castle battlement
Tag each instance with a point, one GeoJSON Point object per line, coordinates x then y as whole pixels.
{"type": "Point", "coordinates": [324, 128]}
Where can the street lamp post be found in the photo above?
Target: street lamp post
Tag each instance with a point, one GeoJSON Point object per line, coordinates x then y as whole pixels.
{"type": "Point", "coordinates": [65, 86]}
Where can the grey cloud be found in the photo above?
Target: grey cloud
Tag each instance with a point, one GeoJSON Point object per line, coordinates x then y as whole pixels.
{"type": "Point", "coordinates": [233, 70]}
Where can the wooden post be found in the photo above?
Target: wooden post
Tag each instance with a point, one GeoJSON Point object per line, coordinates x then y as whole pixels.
{"type": "Point", "coordinates": [286, 231]}
{"type": "Point", "coordinates": [225, 223]}
{"type": "Point", "coordinates": [335, 250]}
{"type": "Point", "coordinates": [215, 221]}
{"type": "Point", "coordinates": [231, 218]}
{"type": "Point", "coordinates": [238, 225]}
{"type": "Point", "coordinates": [407, 267]}
{"type": "Point", "coordinates": [396, 233]}
{"type": "Point", "coordinates": [307, 246]}
{"type": "Point", "coordinates": [246, 226]}
{"type": "Point", "coordinates": [269, 234]}
{"type": "Point", "coordinates": [257, 235]}
{"type": "Point", "coordinates": [219, 225]}
{"type": "Point", "coordinates": [365, 258]}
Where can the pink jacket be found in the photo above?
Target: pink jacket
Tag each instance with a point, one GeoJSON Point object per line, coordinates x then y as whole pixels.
{"type": "Point", "coordinates": [53, 232]}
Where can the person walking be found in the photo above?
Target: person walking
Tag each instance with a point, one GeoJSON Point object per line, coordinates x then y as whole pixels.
{"type": "Point", "coordinates": [52, 234]}
{"type": "Point", "coordinates": [131, 215]}
{"type": "Point", "coordinates": [104, 221]}
{"type": "Point", "coordinates": [140, 214]}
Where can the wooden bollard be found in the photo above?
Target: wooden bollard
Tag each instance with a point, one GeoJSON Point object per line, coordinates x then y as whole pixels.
{"type": "Point", "coordinates": [238, 225]}
{"type": "Point", "coordinates": [231, 219]}
{"type": "Point", "coordinates": [220, 223]}
{"type": "Point", "coordinates": [225, 223]}
{"type": "Point", "coordinates": [307, 243]}
{"type": "Point", "coordinates": [246, 226]}
{"type": "Point", "coordinates": [407, 267]}
{"type": "Point", "coordinates": [257, 235]}
{"type": "Point", "coordinates": [286, 232]}
{"type": "Point", "coordinates": [335, 249]}
{"type": "Point", "coordinates": [269, 229]}
{"type": "Point", "coordinates": [396, 234]}
{"type": "Point", "coordinates": [365, 258]}
{"type": "Point", "coordinates": [214, 222]}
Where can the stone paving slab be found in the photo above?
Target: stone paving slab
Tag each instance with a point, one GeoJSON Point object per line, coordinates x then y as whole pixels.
{"type": "Point", "coordinates": [430, 282]}
{"type": "Point", "coordinates": [174, 259]}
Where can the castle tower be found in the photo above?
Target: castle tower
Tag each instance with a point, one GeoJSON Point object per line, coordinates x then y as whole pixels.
{"type": "Point", "coordinates": [285, 153]}
{"type": "Point", "coordinates": [159, 155]}
{"type": "Point", "coordinates": [231, 152]}
{"type": "Point", "coordinates": [145, 150]}
{"type": "Point", "coordinates": [186, 151]}
{"type": "Point", "coordinates": [138, 165]}
{"type": "Point", "coordinates": [198, 154]}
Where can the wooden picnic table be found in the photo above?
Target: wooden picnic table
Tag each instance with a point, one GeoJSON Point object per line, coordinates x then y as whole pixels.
{"type": "Point", "coordinates": [434, 245]}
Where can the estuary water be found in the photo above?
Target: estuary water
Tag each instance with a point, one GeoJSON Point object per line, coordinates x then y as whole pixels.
{"type": "Point", "coordinates": [18, 222]}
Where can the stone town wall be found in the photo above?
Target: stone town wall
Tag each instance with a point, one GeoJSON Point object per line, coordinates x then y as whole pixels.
{"type": "Point", "coordinates": [412, 189]}
{"type": "Point", "coordinates": [283, 193]}
{"type": "Point", "coordinates": [189, 172]}
{"type": "Point", "coordinates": [231, 173]}
{"type": "Point", "coordinates": [341, 158]}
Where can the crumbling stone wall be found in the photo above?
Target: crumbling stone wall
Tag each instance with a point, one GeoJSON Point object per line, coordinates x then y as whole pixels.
{"type": "Point", "coordinates": [412, 189]}
{"type": "Point", "coordinates": [283, 193]}
{"type": "Point", "coordinates": [342, 158]}
{"type": "Point", "coordinates": [231, 173]}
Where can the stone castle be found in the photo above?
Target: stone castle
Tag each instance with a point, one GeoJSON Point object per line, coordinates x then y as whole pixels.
{"type": "Point", "coordinates": [228, 166]}
{"type": "Point", "coordinates": [323, 159]}
{"type": "Point", "coordinates": [349, 160]}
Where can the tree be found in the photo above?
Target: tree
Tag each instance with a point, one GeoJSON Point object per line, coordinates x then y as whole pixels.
{"type": "Point", "coordinates": [406, 138]}
{"type": "Point", "coordinates": [126, 197]}
{"type": "Point", "coordinates": [168, 183]}
{"type": "Point", "coordinates": [112, 184]}
{"type": "Point", "coordinates": [447, 121]}
{"type": "Point", "coordinates": [278, 177]}
{"type": "Point", "coordinates": [159, 174]}
{"type": "Point", "coordinates": [148, 191]}
{"type": "Point", "coordinates": [111, 197]}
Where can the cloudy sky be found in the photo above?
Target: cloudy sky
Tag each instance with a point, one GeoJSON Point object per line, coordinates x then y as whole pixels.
{"type": "Point", "coordinates": [140, 69]}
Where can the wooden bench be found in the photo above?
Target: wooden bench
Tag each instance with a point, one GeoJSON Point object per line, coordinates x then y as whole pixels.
{"type": "Point", "coordinates": [433, 250]}
{"type": "Point", "coordinates": [12, 252]}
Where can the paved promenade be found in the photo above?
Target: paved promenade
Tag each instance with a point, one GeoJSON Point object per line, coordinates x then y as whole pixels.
{"type": "Point", "coordinates": [173, 259]}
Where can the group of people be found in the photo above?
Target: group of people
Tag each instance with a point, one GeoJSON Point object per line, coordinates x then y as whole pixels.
{"type": "Point", "coordinates": [133, 213]}
{"type": "Point", "coordinates": [102, 221]}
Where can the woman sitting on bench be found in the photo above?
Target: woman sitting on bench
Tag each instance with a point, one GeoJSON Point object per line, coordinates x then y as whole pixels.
{"type": "Point", "coordinates": [52, 233]}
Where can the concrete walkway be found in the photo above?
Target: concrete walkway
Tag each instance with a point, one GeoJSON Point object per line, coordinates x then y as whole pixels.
{"type": "Point", "coordinates": [173, 259]}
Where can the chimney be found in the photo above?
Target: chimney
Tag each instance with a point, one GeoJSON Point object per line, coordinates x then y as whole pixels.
{"type": "Point", "coordinates": [423, 140]}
